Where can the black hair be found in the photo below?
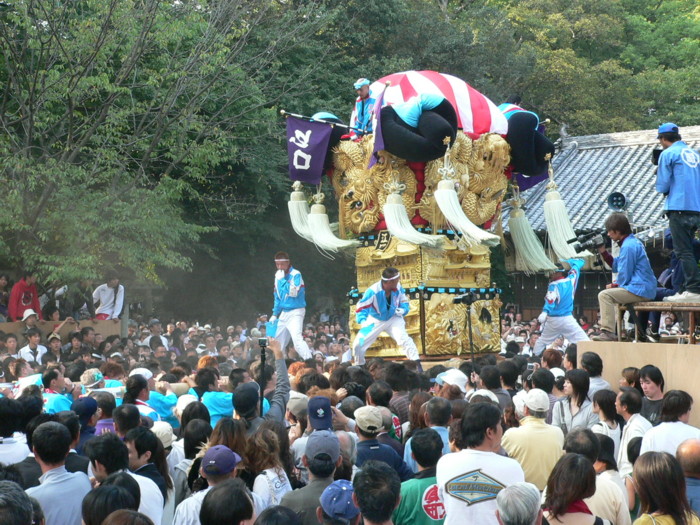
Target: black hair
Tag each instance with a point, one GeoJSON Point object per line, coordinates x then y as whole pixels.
{"type": "Point", "coordinates": [206, 378]}
{"type": "Point", "coordinates": [109, 451]}
{"type": "Point", "coordinates": [349, 405]}
{"type": "Point", "coordinates": [32, 404]}
{"type": "Point", "coordinates": [395, 376]}
{"type": "Point", "coordinates": [311, 379]}
{"type": "Point", "coordinates": [381, 393]}
{"type": "Point", "coordinates": [426, 445]}
{"type": "Point", "coordinates": [10, 473]}
{"type": "Point", "coordinates": [34, 423]}
{"type": "Point", "coordinates": [126, 416]}
{"type": "Point", "coordinates": [580, 383]}
{"type": "Point", "coordinates": [236, 377]}
{"type": "Point", "coordinates": [618, 222]}
{"type": "Point", "coordinates": [49, 376]}
{"type": "Point", "coordinates": [592, 363]}
{"type": "Point", "coordinates": [509, 372]}
{"type": "Point", "coordinates": [51, 442]}
{"type": "Point", "coordinates": [605, 399]}
{"type": "Point", "coordinates": [105, 402]}
{"type": "Point", "coordinates": [674, 405]}
{"type": "Point", "coordinates": [103, 500]}
{"type": "Point", "coordinates": [86, 330]}
{"type": "Point", "coordinates": [634, 449]}
{"type": "Point", "coordinates": [146, 441]}
{"type": "Point", "coordinates": [134, 385]}
{"type": "Point", "coordinates": [389, 272]}
{"type": "Point", "coordinates": [543, 379]}
{"type": "Point", "coordinates": [278, 515]}
{"type": "Point", "coordinates": [71, 421]}
{"type": "Point", "coordinates": [572, 479]}
{"type": "Point", "coordinates": [321, 467]}
{"type": "Point", "coordinates": [671, 136]}
{"type": "Point", "coordinates": [439, 411]}
{"type": "Point", "coordinates": [582, 441]}
{"type": "Point", "coordinates": [377, 490]}
{"type": "Point", "coordinates": [476, 420]}
{"type": "Point", "coordinates": [490, 377]}
{"type": "Point", "coordinates": [31, 332]}
{"type": "Point", "coordinates": [607, 451]}
{"type": "Point", "coordinates": [125, 481]}
{"type": "Point", "coordinates": [15, 506]}
{"type": "Point", "coordinates": [228, 502]}
{"type": "Point", "coordinates": [196, 434]}
{"type": "Point", "coordinates": [571, 354]}
{"type": "Point", "coordinates": [631, 399]}
{"type": "Point", "coordinates": [652, 373]}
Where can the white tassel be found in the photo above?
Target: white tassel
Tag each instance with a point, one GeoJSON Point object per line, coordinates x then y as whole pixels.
{"type": "Point", "coordinates": [400, 226]}
{"type": "Point", "coordinates": [298, 215]}
{"type": "Point", "coordinates": [320, 230]}
{"type": "Point", "coordinates": [559, 227]}
{"type": "Point", "coordinates": [529, 253]}
{"type": "Point", "coordinates": [448, 202]}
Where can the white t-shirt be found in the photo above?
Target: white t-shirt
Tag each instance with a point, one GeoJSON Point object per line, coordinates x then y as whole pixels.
{"type": "Point", "coordinates": [613, 433]}
{"type": "Point", "coordinates": [187, 512]}
{"type": "Point", "coordinates": [665, 437]}
{"type": "Point", "coordinates": [151, 498]}
{"type": "Point", "coordinates": [469, 481]}
{"type": "Point", "coordinates": [271, 485]}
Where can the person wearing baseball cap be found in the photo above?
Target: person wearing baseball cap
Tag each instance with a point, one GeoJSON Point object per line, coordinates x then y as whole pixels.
{"type": "Point", "coordinates": [218, 464]}
{"type": "Point", "coordinates": [361, 118]}
{"type": "Point", "coordinates": [678, 178]}
{"type": "Point", "coordinates": [88, 412]}
{"type": "Point", "coordinates": [368, 425]}
{"type": "Point", "coordinates": [321, 457]}
{"type": "Point", "coordinates": [337, 505]}
{"type": "Point", "coordinates": [319, 413]}
{"type": "Point", "coordinates": [536, 445]}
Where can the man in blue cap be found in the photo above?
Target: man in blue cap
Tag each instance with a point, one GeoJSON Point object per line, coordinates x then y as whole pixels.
{"type": "Point", "coordinates": [361, 118]}
{"type": "Point", "coordinates": [678, 177]}
{"type": "Point", "coordinates": [337, 504]}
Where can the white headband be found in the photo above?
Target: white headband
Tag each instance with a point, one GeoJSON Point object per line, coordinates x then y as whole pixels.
{"type": "Point", "coordinates": [391, 278]}
{"type": "Point", "coordinates": [281, 260]}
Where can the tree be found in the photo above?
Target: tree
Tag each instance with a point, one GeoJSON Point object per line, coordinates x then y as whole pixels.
{"type": "Point", "coordinates": [127, 122]}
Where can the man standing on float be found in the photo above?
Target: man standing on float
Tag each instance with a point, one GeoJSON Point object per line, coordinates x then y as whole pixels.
{"type": "Point", "coordinates": [382, 309]}
{"type": "Point", "coordinates": [290, 306]}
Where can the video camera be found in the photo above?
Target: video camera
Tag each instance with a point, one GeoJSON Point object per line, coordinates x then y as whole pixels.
{"type": "Point", "coordinates": [466, 298]}
{"type": "Point", "coordinates": [587, 241]}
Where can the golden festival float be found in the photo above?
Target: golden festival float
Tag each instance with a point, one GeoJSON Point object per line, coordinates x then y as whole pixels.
{"type": "Point", "coordinates": [427, 200]}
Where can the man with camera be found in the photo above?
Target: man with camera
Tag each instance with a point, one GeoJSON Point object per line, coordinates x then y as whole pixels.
{"type": "Point", "coordinates": [382, 309]}
{"type": "Point", "coordinates": [678, 177]}
{"type": "Point", "coordinates": [290, 306]}
{"type": "Point", "coordinates": [556, 317]}
{"type": "Point", "coordinates": [635, 279]}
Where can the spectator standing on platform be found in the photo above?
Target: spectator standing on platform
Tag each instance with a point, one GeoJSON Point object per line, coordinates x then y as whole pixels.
{"type": "Point", "coordinates": [24, 297]}
{"type": "Point", "coordinates": [678, 178]}
{"type": "Point", "coordinates": [109, 298]}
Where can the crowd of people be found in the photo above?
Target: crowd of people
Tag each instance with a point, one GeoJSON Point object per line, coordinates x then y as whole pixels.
{"type": "Point", "coordinates": [167, 426]}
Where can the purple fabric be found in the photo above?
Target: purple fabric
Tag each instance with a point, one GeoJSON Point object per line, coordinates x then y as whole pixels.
{"type": "Point", "coordinates": [104, 426]}
{"type": "Point", "coordinates": [378, 137]}
{"type": "Point", "coordinates": [307, 143]}
{"type": "Point", "coordinates": [525, 182]}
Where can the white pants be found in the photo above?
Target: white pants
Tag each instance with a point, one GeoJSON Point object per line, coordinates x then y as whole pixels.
{"type": "Point", "coordinates": [370, 330]}
{"type": "Point", "coordinates": [556, 326]}
{"type": "Point", "coordinates": [289, 326]}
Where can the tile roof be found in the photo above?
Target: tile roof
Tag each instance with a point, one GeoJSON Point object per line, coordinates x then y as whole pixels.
{"type": "Point", "coordinates": [588, 168]}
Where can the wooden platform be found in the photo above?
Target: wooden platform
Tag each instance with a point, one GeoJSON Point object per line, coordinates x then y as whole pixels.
{"type": "Point", "coordinates": [660, 306]}
{"type": "Point", "coordinates": [678, 363]}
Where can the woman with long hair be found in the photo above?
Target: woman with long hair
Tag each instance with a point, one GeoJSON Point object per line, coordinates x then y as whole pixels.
{"type": "Point", "coordinates": [609, 425]}
{"type": "Point", "coordinates": [575, 410]}
{"type": "Point", "coordinates": [571, 481]}
{"type": "Point", "coordinates": [416, 416]}
{"type": "Point", "coordinates": [286, 456]}
{"type": "Point", "coordinates": [263, 458]}
{"type": "Point", "coordinates": [661, 487]}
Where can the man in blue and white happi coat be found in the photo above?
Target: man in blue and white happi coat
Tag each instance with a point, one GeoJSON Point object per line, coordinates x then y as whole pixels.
{"type": "Point", "coordinates": [556, 316]}
{"type": "Point", "coordinates": [382, 309]}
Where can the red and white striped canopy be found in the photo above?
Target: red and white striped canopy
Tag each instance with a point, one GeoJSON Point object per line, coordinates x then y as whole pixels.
{"type": "Point", "coordinates": [475, 113]}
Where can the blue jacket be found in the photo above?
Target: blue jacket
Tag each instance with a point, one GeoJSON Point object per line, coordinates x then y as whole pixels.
{"type": "Point", "coordinates": [678, 177]}
{"type": "Point", "coordinates": [289, 292]}
{"type": "Point", "coordinates": [411, 110]}
{"type": "Point", "coordinates": [634, 272]}
{"type": "Point", "coordinates": [361, 117]}
{"type": "Point", "coordinates": [54, 403]}
{"type": "Point", "coordinates": [374, 303]}
{"type": "Point", "coordinates": [559, 299]}
{"type": "Point", "coordinates": [372, 449]}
